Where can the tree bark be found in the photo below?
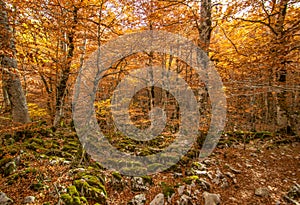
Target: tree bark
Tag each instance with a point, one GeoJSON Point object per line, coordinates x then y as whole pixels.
{"type": "Point", "coordinates": [11, 79]}
{"type": "Point", "coordinates": [62, 85]}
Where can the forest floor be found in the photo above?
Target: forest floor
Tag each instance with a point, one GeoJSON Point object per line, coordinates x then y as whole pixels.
{"type": "Point", "coordinates": [51, 167]}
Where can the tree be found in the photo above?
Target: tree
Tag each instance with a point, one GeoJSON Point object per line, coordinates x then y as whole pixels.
{"type": "Point", "coordinates": [11, 80]}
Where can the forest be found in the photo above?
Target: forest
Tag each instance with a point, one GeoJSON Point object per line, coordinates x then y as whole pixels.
{"type": "Point", "coordinates": [210, 88]}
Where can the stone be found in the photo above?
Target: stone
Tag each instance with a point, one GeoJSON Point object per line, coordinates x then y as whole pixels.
{"type": "Point", "coordinates": [138, 184]}
{"type": "Point", "coordinates": [198, 172]}
{"type": "Point", "coordinates": [138, 200]}
{"type": "Point", "coordinates": [180, 190]}
{"type": "Point", "coordinates": [29, 200]}
{"type": "Point", "coordinates": [204, 184]}
{"type": "Point", "coordinates": [225, 183]}
{"type": "Point", "coordinates": [4, 200]}
{"type": "Point", "coordinates": [185, 200]}
{"type": "Point", "coordinates": [9, 168]}
{"type": "Point", "coordinates": [158, 199]}
{"type": "Point", "coordinates": [236, 171]}
{"type": "Point", "coordinates": [262, 192]}
{"type": "Point", "coordinates": [211, 199]}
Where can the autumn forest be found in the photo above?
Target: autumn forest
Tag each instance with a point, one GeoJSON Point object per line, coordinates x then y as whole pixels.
{"type": "Point", "coordinates": [44, 45]}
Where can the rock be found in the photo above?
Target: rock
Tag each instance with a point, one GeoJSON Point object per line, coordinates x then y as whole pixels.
{"type": "Point", "coordinates": [9, 168]}
{"type": "Point", "coordinates": [198, 172]}
{"type": "Point", "coordinates": [4, 200]}
{"type": "Point", "coordinates": [262, 192]}
{"type": "Point", "coordinates": [138, 184]}
{"type": "Point", "coordinates": [211, 199]}
{"type": "Point", "coordinates": [158, 200]}
{"type": "Point", "coordinates": [204, 184]}
{"type": "Point", "coordinates": [181, 190]}
{"type": "Point", "coordinates": [225, 183]}
{"type": "Point", "coordinates": [236, 171]}
{"type": "Point", "coordinates": [231, 176]}
{"type": "Point", "coordinates": [138, 200]}
{"type": "Point", "coordinates": [29, 200]}
{"type": "Point", "coordinates": [185, 200]}
{"type": "Point", "coordinates": [219, 176]}
{"type": "Point", "coordinates": [207, 162]}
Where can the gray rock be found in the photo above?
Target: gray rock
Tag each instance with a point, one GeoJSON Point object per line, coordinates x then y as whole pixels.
{"type": "Point", "coordinates": [138, 200]}
{"type": "Point", "coordinates": [29, 200]}
{"type": "Point", "coordinates": [231, 176]}
{"type": "Point", "coordinates": [4, 200]}
{"type": "Point", "coordinates": [225, 183]}
{"type": "Point", "coordinates": [181, 190]}
{"type": "Point", "coordinates": [219, 176]}
{"type": "Point", "coordinates": [138, 184]}
{"type": "Point", "coordinates": [158, 200]}
{"type": "Point", "coordinates": [262, 192]}
{"type": "Point", "coordinates": [198, 172]}
{"type": "Point", "coordinates": [185, 200]}
{"type": "Point", "coordinates": [211, 199]}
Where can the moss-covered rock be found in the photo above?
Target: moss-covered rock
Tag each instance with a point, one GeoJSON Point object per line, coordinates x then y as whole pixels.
{"type": "Point", "coordinates": [73, 191]}
{"type": "Point", "coordinates": [190, 179]}
{"type": "Point", "coordinates": [167, 190]}
{"type": "Point", "coordinates": [37, 186]}
{"type": "Point", "coordinates": [72, 197]}
{"type": "Point", "coordinates": [117, 176]}
{"type": "Point", "coordinates": [67, 199]}
{"type": "Point", "coordinates": [9, 168]}
{"type": "Point", "coordinates": [91, 187]}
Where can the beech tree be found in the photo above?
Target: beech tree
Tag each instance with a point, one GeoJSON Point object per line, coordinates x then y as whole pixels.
{"type": "Point", "coordinates": [10, 77]}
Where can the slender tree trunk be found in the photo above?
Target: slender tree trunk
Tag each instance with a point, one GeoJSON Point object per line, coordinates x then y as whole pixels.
{"type": "Point", "coordinates": [62, 84]}
{"type": "Point", "coordinates": [11, 80]}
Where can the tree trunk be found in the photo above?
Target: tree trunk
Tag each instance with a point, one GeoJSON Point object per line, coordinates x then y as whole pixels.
{"type": "Point", "coordinates": [279, 67]}
{"type": "Point", "coordinates": [62, 85]}
{"type": "Point", "coordinates": [11, 80]}
{"type": "Point", "coordinates": [205, 25]}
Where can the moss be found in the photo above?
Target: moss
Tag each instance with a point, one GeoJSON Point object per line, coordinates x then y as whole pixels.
{"type": "Point", "coordinates": [13, 178]}
{"type": "Point", "coordinates": [117, 176]}
{"type": "Point", "coordinates": [13, 151]}
{"type": "Point", "coordinates": [37, 141]}
{"type": "Point", "coordinates": [9, 141]}
{"type": "Point", "coordinates": [67, 199]}
{"type": "Point", "coordinates": [69, 148]}
{"type": "Point", "coordinates": [4, 161]}
{"type": "Point", "coordinates": [167, 190]}
{"type": "Point", "coordinates": [147, 180]}
{"type": "Point", "coordinates": [37, 186]}
{"type": "Point", "coordinates": [30, 170]}
{"type": "Point", "coordinates": [190, 179]}
{"type": "Point", "coordinates": [96, 192]}
{"type": "Point", "coordinates": [76, 201]}
{"type": "Point", "coordinates": [73, 191]}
